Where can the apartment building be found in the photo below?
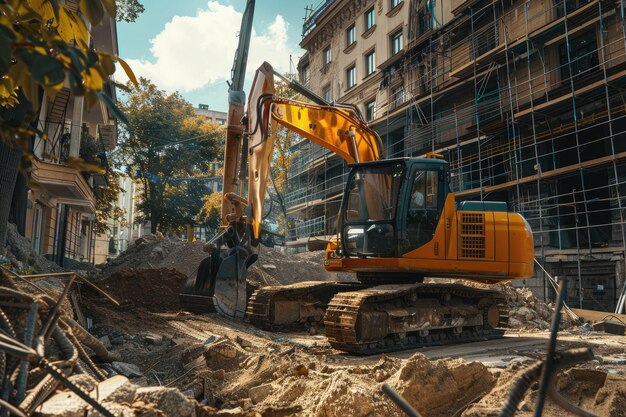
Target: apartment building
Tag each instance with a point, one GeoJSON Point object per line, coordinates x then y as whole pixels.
{"type": "Point", "coordinates": [62, 200]}
{"type": "Point", "coordinates": [217, 116]}
{"type": "Point", "coordinates": [525, 99]}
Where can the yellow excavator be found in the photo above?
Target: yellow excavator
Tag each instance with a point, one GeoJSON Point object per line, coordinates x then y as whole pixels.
{"type": "Point", "coordinates": [397, 224]}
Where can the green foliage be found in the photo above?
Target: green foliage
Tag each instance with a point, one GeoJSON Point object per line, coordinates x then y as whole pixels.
{"type": "Point", "coordinates": [129, 10]}
{"type": "Point", "coordinates": [164, 141]}
{"type": "Point", "coordinates": [92, 153]}
{"type": "Point", "coordinates": [210, 212]}
{"type": "Point", "coordinates": [43, 42]}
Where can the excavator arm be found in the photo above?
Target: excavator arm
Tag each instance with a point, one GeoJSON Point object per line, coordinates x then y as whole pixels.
{"type": "Point", "coordinates": [338, 128]}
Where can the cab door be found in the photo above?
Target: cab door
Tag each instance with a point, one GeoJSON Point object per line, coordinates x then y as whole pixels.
{"type": "Point", "coordinates": [423, 207]}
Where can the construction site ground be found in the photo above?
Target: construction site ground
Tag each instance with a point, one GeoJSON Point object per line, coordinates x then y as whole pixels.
{"type": "Point", "coordinates": [223, 367]}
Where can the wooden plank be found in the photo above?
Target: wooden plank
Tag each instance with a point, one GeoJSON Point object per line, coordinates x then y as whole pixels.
{"type": "Point", "coordinates": [595, 316]}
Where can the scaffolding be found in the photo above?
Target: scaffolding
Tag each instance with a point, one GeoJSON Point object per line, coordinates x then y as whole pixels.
{"type": "Point", "coordinates": [527, 102]}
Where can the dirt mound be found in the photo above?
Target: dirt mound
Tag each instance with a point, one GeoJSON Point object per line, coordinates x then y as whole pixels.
{"type": "Point", "coordinates": [153, 289]}
{"type": "Point", "coordinates": [457, 382]}
{"type": "Point", "coordinates": [600, 393]}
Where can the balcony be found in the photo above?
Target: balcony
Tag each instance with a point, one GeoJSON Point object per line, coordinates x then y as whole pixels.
{"type": "Point", "coordinates": [63, 185]}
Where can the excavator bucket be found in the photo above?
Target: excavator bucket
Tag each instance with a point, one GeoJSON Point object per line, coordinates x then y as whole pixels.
{"type": "Point", "coordinates": [197, 293]}
{"type": "Point", "coordinates": [230, 295]}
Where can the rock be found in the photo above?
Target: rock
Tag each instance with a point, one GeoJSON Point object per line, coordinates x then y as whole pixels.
{"type": "Point", "coordinates": [300, 370]}
{"type": "Point", "coordinates": [585, 328]}
{"type": "Point", "coordinates": [543, 311]}
{"type": "Point", "coordinates": [128, 369]}
{"type": "Point", "coordinates": [524, 313]}
{"type": "Point", "coordinates": [106, 342]}
{"type": "Point", "coordinates": [231, 412]}
{"type": "Point", "coordinates": [541, 324]}
{"type": "Point", "coordinates": [246, 403]}
{"type": "Point", "coordinates": [140, 241]}
{"type": "Point", "coordinates": [117, 389]}
{"type": "Point", "coordinates": [118, 410]}
{"type": "Point", "coordinates": [159, 236]}
{"type": "Point", "coordinates": [117, 340]}
{"type": "Point", "coordinates": [65, 404]}
{"type": "Point", "coordinates": [260, 392]}
{"type": "Point", "coordinates": [515, 323]}
{"type": "Point", "coordinates": [381, 375]}
{"type": "Point", "coordinates": [83, 381]}
{"type": "Point", "coordinates": [268, 266]}
{"type": "Point", "coordinates": [153, 339]}
{"type": "Point", "coordinates": [169, 400]}
{"type": "Point", "coordinates": [243, 342]}
{"type": "Point", "coordinates": [223, 350]}
{"type": "Point", "coordinates": [157, 253]}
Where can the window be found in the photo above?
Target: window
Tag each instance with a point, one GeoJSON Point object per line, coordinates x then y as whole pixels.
{"type": "Point", "coordinates": [568, 6]}
{"type": "Point", "coordinates": [397, 97]}
{"type": "Point", "coordinates": [424, 20]}
{"type": "Point", "coordinates": [583, 55]}
{"type": "Point", "coordinates": [394, 3]}
{"type": "Point", "coordinates": [327, 56]}
{"type": "Point", "coordinates": [423, 210]}
{"type": "Point", "coordinates": [305, 75]}
{"type": "Point", "coordinates": [370, 62]}
{"type": "Point", "coordinates": [351, 77]}
{"type": "Point", "coordinates": [369, 222]}
{"type": "Point", "coordinates": [350, 35]}
{"type": "Point", "coordinates": [326, 95]}
{"type": "Point", "coordinates": [396, 42]}
{"type": "Point", "coordinates": [370, 110]}
{"type": "Point", "coordinates": [370, 19]}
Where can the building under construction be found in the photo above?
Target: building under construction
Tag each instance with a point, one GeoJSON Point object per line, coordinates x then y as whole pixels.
{"type": "Point", "coordinates": [525, 99]}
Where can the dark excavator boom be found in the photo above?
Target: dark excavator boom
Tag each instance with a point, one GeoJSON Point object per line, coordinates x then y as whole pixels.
{"type": "Point", "coordinates": [198, 292]}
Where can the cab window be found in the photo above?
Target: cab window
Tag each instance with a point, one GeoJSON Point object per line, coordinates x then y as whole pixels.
{"type": "Point", "coordinates": [423, 210]}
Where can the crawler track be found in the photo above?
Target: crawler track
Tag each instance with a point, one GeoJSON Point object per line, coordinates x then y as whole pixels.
{"type": "Point", "coordinates": [295, 306]}
{"type": "Point", "coordinates": [345, 313]}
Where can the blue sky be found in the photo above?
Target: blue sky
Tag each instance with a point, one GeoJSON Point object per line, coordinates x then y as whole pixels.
{"type": "Point", "coordinates": [189, 45]}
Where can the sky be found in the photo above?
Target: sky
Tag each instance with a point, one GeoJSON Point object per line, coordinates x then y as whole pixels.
{"type": "Point", "coordinates": [189, 45]}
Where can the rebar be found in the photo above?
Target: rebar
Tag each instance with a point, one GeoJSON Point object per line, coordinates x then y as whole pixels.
{"type": "Point", "coordinates": [400, 401]}
{"type": "Point", "coordinates": [29, 332]}
{"type": "Point", "coordinates": [94, 370]}
{"type": "Point", "coordinates": [548, 368]}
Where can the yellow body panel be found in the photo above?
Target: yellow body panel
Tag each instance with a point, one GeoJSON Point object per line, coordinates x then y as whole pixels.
{"type": "Point", "coordinates": [504, 250]}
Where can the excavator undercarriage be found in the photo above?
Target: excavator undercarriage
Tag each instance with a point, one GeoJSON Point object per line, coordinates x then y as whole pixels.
{"type": "Point", "coordinates": [382, 318]}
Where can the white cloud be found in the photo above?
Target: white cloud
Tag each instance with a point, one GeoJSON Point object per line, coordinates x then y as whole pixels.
{"type": "Point", "coordinates": [194, 51]}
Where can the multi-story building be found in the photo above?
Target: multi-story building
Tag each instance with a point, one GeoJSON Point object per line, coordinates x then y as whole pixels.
{"type": "Point", "coordinates": [62, 205]}
{"type": "Point", "coordinates": [217, 116]}
{"type": "Point", "coordinates": [525, 99]}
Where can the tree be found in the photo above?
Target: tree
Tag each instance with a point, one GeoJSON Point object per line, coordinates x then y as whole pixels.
{"type": "Point", "coordinates": [211, 211]}
{"type": "Point", "coordinates": [43, 44]}
{"type": "Point", "coordinates": [166, 146]}
{"type": "Point", "coordinates": [129, 10]}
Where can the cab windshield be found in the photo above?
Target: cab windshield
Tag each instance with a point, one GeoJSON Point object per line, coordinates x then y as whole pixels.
{"type": "Point", "coordinates": [370, 210]}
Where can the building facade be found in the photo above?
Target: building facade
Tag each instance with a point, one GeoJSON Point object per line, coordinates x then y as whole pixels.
{"type": "Point", "coordinates": [62, 199]}
{"type": "Point", "coordinates": [525, 99]}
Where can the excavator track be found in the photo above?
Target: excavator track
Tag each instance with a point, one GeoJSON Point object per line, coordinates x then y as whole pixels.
{"type": "Point", "coordinates": [295, 306]}
{"type": "Point", "coordinates": [396, 317]}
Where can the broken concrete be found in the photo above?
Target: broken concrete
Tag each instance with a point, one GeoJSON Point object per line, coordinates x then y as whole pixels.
{"type": "Point", "coordinates": [169, 400]}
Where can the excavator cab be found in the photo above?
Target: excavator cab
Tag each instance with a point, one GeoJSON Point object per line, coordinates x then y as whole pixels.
{"type": "Point", "coordinates": [392, 207]}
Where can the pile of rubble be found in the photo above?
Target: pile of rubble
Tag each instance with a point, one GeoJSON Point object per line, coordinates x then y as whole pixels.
{"type": "Point", "coordinates": [21, 256]}
{"type": "Point", "coordinates": [177, 258]}
{"type": "Point", "coordinates": [527, 312]}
